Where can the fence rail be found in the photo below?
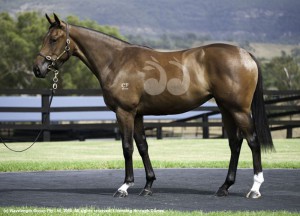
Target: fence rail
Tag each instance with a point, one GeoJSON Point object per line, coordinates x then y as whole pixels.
{"type": "Point", "coordinates": [282, 107]}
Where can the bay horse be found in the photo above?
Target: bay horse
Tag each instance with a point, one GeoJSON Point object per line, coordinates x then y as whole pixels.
{"type": "Point", "coordinates": [138, 81]}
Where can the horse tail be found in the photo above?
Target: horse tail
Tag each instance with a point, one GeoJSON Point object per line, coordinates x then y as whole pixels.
{"type": "Point", "coordinates": [259, 114]}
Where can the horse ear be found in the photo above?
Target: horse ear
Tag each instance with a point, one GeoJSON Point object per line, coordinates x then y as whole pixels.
{"type": "Point", "coordinates": [57, 21]}
{"type": "Point", "coordinates": [49, 20]}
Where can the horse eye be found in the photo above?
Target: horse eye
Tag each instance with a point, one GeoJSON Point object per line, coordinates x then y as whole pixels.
{"type": "Point", "coordinates": [53, 40]}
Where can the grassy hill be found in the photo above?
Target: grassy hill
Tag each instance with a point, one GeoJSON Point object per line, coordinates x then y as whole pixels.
{"type": "Point", "coordinates": [274, 21]}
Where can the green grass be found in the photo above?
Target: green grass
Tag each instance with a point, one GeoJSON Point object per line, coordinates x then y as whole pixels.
{"type": "Point", "coordinates": [167, 153]}
{"type": "Point", "coordinates": [121, 212]}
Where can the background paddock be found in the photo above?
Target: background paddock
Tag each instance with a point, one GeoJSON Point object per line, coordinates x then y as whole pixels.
{"type": "Point", "coordinates": [82, 114]}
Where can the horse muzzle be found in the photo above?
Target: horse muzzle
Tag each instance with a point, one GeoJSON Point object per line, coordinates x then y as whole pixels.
{"type": "Point", "coordinates": [37, 72]}
{"type": "Point", "coordinates": [40, 71]}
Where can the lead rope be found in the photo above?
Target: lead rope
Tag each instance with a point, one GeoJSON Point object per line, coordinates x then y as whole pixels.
{"type": "Point", "coordinates": [54, 87]}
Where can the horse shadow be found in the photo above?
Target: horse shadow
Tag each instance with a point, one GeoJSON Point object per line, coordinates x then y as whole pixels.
{"type": "Point", "coordinates": [111, 191]}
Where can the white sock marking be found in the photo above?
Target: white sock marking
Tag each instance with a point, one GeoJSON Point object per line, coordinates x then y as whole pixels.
{"type": "Point", "coordinates": [258, 180]}
{"type": "Point", "coordinates": [125, 186]}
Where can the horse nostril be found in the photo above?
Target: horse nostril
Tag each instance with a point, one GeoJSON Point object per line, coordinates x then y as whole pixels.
{"type": "Point", "coordinates": [36, 70]}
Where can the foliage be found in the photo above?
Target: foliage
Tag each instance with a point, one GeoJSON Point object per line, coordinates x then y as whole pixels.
{"type": "Point", "coordinates": [20, 41]}
{"type": "Point", "coordinates": [283, 73]}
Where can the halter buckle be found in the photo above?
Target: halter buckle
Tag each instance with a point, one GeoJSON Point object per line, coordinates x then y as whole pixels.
{"type": "Point", "coordinates": [67, 48]}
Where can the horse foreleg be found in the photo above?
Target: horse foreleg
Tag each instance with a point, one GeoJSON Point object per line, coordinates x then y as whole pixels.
{"type": "Point", "coordinates": [126, 124]}
{"type": "Point", "coordinates": [141, 143]}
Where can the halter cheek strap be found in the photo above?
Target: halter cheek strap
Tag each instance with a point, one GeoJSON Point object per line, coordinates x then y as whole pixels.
{"type": "Point", "coordinates": [66, 50]}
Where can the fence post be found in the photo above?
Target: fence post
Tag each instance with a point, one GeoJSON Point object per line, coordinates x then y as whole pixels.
{"type": "Point", "coordinates": [159, 132]}
{"type": "Point", "coordinates": [289, 132]}
{"type": "Point", "coordinates": [205, 127]}
{"type": "Point", "coordinates": [46, 117]}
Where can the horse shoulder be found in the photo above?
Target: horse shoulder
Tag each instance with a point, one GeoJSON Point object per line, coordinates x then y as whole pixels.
{"type": "Point", "coordinates": [126, 83]}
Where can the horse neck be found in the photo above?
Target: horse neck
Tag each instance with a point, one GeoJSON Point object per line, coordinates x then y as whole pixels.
{"type": "Point", "coordinates": [96, 50]}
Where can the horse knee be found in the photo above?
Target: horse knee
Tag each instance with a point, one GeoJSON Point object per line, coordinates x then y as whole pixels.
{"type": "Point", "coordinates": [127, 151]}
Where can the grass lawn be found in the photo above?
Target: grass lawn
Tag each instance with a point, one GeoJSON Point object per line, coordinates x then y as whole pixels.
{"type": "Point", "coordinates": [167, 153]}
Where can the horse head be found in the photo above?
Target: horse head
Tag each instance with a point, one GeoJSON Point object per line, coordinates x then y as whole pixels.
{"type": "Point", "coordinates": [56, 48]}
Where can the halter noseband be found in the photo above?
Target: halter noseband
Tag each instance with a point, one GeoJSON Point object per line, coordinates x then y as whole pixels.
{"type": "Point", "coordinates": [54, 60]}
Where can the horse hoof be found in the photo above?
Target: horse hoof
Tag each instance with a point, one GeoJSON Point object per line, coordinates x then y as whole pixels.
{"type": "Point", "coordinates": [221, 192]}
{"type": "Point", "coordinates": [146, 192]}
{"type": "Point", "coordinates": [253, 195]}
{"type": "Point", "coordinates": [121, 194]}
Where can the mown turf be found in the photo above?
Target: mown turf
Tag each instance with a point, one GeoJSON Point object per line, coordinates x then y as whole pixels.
{"type": "Point", "coordinates": [167, 153]}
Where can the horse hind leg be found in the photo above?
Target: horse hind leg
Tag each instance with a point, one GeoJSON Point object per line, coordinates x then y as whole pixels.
{"type": "Point", "coordinates": [142, 145]}
{"type": "Point", "coordinates": [257, 166]}
{"type": "Point", "coordinates": [245, 123]}
{"type": "Point", "coordinates": [235, 142]}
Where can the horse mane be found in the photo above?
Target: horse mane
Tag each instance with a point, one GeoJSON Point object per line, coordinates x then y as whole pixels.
{"type": "Point", "coordinates": [109, 37]}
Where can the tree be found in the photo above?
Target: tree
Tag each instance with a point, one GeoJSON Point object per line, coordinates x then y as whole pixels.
{"type": "Point", "coordinates": [282, 73]}
{"type": "Point", "coordinates": [20, 42]}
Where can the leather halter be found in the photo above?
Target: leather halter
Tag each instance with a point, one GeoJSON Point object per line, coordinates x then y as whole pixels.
{"type": "Point", "coordinates": [53, 61]}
